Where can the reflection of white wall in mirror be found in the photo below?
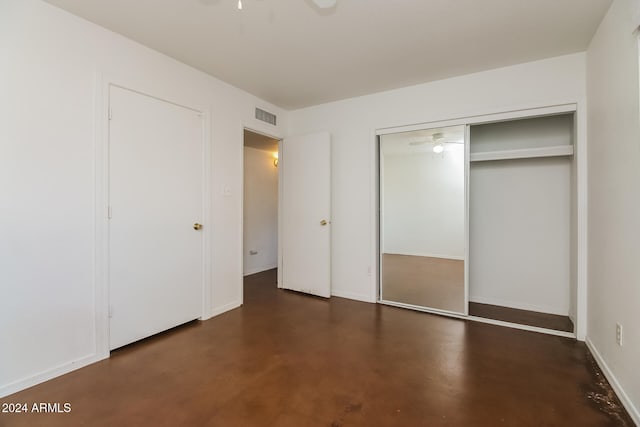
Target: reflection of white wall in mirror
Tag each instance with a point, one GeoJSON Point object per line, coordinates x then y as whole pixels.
{"type": "Point", "coordinates": [424, 203]}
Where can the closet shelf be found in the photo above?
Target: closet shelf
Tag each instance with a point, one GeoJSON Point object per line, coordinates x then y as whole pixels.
{"type": "Point", "coordinates": [526, 153]}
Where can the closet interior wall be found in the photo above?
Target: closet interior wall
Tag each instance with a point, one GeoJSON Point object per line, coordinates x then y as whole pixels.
{"type": "Point", "coordinates": [522, 214]}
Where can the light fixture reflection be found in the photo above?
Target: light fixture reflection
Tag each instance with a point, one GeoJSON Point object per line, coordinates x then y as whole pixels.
{"type": "Point", "coordinates": [438, 148]}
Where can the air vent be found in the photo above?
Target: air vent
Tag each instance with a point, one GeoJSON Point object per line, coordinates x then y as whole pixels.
{"type": "Point", "coordinates": [265, 116]}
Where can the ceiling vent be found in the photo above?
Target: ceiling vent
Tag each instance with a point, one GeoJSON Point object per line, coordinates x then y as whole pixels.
{"type": "Point", "coordinates": [265, 116]}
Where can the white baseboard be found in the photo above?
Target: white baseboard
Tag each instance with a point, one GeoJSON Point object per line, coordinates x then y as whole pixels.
{"type": "Point", "coordinates": [520, 306]}
{"type": "Point", "coordinates": [255, 270]}
{"type": "Point", "coordinates": [351, 295]}
{"type": "Point", "coordinates": [223, 309]}
{"type": "Point", "coordinates": [622, 395]}
{"type": "Point", "coordinates": [24, 383]}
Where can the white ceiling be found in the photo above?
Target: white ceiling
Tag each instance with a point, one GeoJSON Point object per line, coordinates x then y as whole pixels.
{"type": "Point", "coordinates": [294, 55]}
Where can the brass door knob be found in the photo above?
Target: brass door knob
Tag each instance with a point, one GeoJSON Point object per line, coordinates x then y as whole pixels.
{"type": "Point", "coordinates": [197, 226]}
{"type": "Point", "coordinates": [323, 222]}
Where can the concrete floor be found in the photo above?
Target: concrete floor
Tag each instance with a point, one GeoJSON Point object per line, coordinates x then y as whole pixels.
{"type": "Point", "coordinates": [287, 359]}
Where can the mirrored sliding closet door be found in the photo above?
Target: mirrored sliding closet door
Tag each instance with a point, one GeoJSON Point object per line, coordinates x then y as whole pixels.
{"type": "Point", "coordinates": [422, 219]}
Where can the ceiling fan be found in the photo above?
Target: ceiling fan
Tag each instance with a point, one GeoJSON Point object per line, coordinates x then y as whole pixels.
{"type": "Point", "coordinates": [322, 4]}
{"type": "Point", "coordinates": [325, 4]}
{"type": "Point", "coordinates": [437, 139]}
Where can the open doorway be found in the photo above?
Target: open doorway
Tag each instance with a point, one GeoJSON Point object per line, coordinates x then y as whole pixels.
{"type": "Point", "coordinates": [260, 204]}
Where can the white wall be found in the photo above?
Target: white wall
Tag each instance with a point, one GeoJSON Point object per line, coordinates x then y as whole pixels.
{"type": "Point", "coordinates": [49, 60]}
{"type": "Point", "coordinates": [260, 211]}
{"type": "Point", "coordinates": [352, 124]}
{"type": "Point", "coordinates": [537, 132]}
{"type": "Point", "coordinates": [423, 203]}
{"type": "Point", "coordinates": [519, 231]}
{"type": "Point", "coordinates": [614, 203]}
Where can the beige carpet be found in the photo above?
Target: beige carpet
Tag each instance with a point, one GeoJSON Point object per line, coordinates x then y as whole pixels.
{"type": "Point", "coordinates": [423, 281]}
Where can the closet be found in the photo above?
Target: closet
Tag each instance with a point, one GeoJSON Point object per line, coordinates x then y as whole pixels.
{"type": "Point", "coordinates": [513, 189]}
{"type": "Point", "coordinates": [521, 206]}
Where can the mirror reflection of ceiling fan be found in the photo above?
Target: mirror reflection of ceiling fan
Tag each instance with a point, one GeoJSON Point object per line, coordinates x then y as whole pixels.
{"type": "Point", "coordinates": [437, 139]}
{"type": "Point", "coordinates": [322, 4]}
{"type": "Point", "coordinates": [325, 4]}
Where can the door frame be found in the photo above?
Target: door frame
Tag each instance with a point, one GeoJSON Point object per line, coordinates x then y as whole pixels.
{"type": "Point", "coordinates": [576, 106]}
{"type": "Point", "coordinates": [275, 135]}
{"type": "Point", "coordinates": [103, 84]}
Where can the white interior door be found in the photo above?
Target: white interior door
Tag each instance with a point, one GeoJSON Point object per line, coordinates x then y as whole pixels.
{"type": "Point", "coordinates": [155, 197]}
{"type": "Point", "coordinates": [306, 214]}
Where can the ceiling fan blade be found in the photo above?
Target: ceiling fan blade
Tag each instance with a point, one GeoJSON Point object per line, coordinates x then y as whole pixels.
{"type": "Point", "coordinates": [325, 4]}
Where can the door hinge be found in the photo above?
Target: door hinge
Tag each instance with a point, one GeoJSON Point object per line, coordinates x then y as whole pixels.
{"type": "Point", "coordinates": [109, 212]}
{"type": "Point", "coordinates": [110, 311]}
{"type": "Point", "coordinates": [110, 113]}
